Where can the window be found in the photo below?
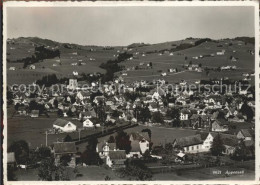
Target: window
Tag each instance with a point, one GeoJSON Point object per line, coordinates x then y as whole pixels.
{"type": "Point", "coordinates": [69, 125]}
{"type": "Point", "coordinates": [197, 147]}
{"type": "Point", "coordinates": [192, 148]}
{"type": "Point", "coordinates": [147, 145]}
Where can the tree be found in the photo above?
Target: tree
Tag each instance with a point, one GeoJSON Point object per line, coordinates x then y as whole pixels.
{"type": "Point", "coordinates": [48, 171]}
{"type": "Point", "coordinates": [173, 113]}
{"type": "Point", "coordinates": [69, 113]}
{"type": "Point", "coordinates": [145, 114]}
{"type": "Point", "coordinates": [21, 151]}
{"type": "Point", "coordinates": [247, 110]}
{"type": "Point", "coordinates": [59, 113]}
{"type": "Point", "coordinates": [137, 170]}
{"type": "Point", "coordinates": [44, 152]}
{"type": "Point", "coordinates": [67, 138]}
{"type": "Point", "coordinates": [123, 141]}
{"type": "Point", "coordinates": [90, 156]}
{"type": "Point", "coordinates": [10, 173]}
{"type": "Point", "coordinates": [157, 117]}
{"type": "Point", "coordinates": [241, 152]}
{"type": "Point", "coordinates": [111, 139]}
{"type": "Point", "coordinates": [55, 103]}
{"type": "Point", "coordinates": [217, 147]}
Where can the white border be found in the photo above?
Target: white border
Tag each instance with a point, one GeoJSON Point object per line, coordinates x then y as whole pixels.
{"type": "Point", "coordinates": [131, 4]}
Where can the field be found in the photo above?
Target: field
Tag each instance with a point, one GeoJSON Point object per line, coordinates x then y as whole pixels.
{"type": "Point", "coordinates": [204, 174]}
{"type": "Point", "coordinates": [160, 135]}
{"type": "Point", "coordinates": [33, 131]}
{"type": "Point", "coordinates": [98, 173]}
{"type": "Point", "coordinates": [24, 47]}
{"type": "Point", "coordinates": [163, 62]}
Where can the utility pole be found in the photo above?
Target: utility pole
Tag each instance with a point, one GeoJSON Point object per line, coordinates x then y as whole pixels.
{"type": "Point", "coordinates": [46, 138]}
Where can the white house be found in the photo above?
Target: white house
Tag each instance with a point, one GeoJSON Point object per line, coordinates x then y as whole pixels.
{"type": "Point", "coordinates": [12, 68]}
{"type": "Point", "coordinates": [221, 52]}
{"type": "Point", "coordinates": [164, 74]}
{"type": "Point", "coordinates": [190, 144]}
{"type": "Point", "coordinates": [139, 145]}
{"type": "Point", "coordinates": [184, 115]}
{"type": "Point", "coordinates": [75, 73]}
{"type": "Point", "coordinates": [32, 67]}
{"type": "Point", "coordinates": [103, 148]}
{"type": "Point", "coordinates": [64, 125]}
{"type": "Point", "coordinates": [245, 134]}
{"type": "Point", "coordinates": [229, 142]}
{"type": "Point", "coordinates": [73, 84]}
{"type": "Point", "coordinates": [116, 159]}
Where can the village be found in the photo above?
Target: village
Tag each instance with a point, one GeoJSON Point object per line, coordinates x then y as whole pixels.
{"type": "Point", "coordinates": [222, 122]}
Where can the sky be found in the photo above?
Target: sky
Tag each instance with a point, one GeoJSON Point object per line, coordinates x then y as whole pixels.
{"type": "Point", "coordinates": [121, 26]}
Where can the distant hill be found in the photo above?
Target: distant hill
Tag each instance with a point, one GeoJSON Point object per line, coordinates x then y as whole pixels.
{"type": "Point", "coordinates": [65, 58]}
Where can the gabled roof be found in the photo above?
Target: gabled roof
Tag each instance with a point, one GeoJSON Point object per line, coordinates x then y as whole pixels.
{"type": "Point", "coordinates": [65, 147]}
{"type": "Point", "coordinates": [60, 122]}
{"type": "Point", "coordinates": [118, 154]}
{"type": "Point", "coordinates": [221, 122]}
{"type": "Point", "coordinates": [227, 139]}
{"type": "Point", "coordinates": [247, 132]}
{"type": "Point", "coordinates": [111, 146]}
{"type": "Point", "coordinates": [35, 112]}
{"type": "Point", "coordinates": [189, 140]}
{"type": "Point", "coordinates": [135, 146]}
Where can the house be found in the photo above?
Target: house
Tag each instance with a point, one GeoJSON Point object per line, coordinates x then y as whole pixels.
{"type": "Point", "coordinates": [190, 144]}
{"type": "Point", "coordinates": [184, 115]}
{"type": "Point", "coordinates": [104, 148]}
{"type": "Point", "coordinates": [221, 52]}
{"type": "Point", "coordinates": [245, 134]}
{"type": "Point", "coordinates": [163, 74]}
{"type": "Point", "coordinates": [229, 142]}
{"type": "Point", "coordinates": [90, 122]}
{"type": "Point", "coordinates": [233, 59]}
{"type": "Point", "coordinates": [32, 67]}
{"type": "Point", "coordinates": [64, 125]}
{"type": "Point", "coordinates": [73, 84]}
{"type": "Point", "coordinates": [85, 115]}
{"type": "Point", "coordinates": [139, 145]}
{"type": "Point", "coordinates": [61, 149]}
{"type": "Point", "coordinates": [35, 114]}
{"type": "Point", "coordinates": [172, 70]}
{"type": "Point", "coordinates": [153, 107]}
{"type": "Point", "coordinates": [11, 161]}
{"type": "Point", "coordinates": [237, 118]}
{"type": "Point", "coordinates": [116, 159]}
{"type": "Point", "coordinates": [12, 68]}
{"type": "Point", "coordinates": [199, 121]}
{"type": "Point", "coordinates": [219, 126]}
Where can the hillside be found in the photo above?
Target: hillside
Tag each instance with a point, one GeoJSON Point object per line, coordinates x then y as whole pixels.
{"type": "Point", "coordinates": [87, 59]}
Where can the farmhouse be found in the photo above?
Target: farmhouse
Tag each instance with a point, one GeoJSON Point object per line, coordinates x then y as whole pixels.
{"type": "Point", "coordinates": [64, 125]}
{"type": "Point", "coordinates": [12, 68]}
{"type": "Point", "coordinates": [245, 134]}
{"type": "Point", "coordinates": [190, 144]}
{"type": "Point", "coordinates": [139, 145]}
{"type": "Point", "coordinates": [229, 141]}
{"type": "Point", "coordinates": [104, 148]}
{"type": "Point", "coordinates": [35, 114]}
{"type": "Point", "coordinates": [221, 52]}
{"type": "Point", "coordinates": [116, 159]}
{"type": "Point", "coordinates": [32, 67]}
{"type": "Point", "coordinates": [219, 126]}
{"type": "Point", "coordinates": [61, 149]}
